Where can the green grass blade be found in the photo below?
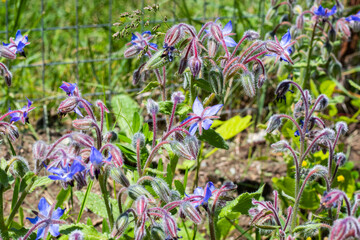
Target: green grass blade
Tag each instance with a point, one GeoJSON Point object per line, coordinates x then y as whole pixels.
{"type": "Point", "coordinates": [88, 190]}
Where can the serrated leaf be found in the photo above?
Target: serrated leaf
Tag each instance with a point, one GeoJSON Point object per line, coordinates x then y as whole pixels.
{"type": "Point", "coordinates": [241, 204]}
{"type": "Point", "coordinates": [41, 181]}
{"type": "Point", "coordinates": [214, 139]}
{"type": "Point", "coordinates": [151, 85]}
{"type": "Point", "coordinates": [96, 204]}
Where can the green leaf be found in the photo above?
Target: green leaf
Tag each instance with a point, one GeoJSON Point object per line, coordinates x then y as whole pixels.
{"type": "Point", "coordinates": [41, 181]}
{"type": "Point", "coordinates": [105, 226]}
{"type": "Point", "coordinates": [15, 193]}
{"type": "Point", "coordinates": [327, 87]}
{"type": "Point", "coordinates": [203, 84]}
{"type": "Point", "coordinates": [90, 232]}
{"type": "Point", "coordinates": [233, 126]}
{"type": "Point", "coordinates": [96, 204]}
{"type": "Point", "coordinates": [241, 204]}
{"type": "Point", "coordinates": [179, 186]}
{"type": "Point", "coordinates": [83, 202]}
{"type": "Point", "coordinates": [167, 106]}
{"type": "Point", "coordinates": [151, 85]}
{"type": "Point", "coordinates": [136, 122]}
{"type": "Point", "coordinates": [62, 196]}
{"type": "Point", "coordinates": [214, 139]}
{"type": "Point", "coordinates": [169, 175]}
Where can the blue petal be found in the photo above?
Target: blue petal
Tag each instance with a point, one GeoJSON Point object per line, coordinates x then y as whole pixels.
{"type": "Point", "coordinates": [213, 110]}
{"type": "Point", "coordinates": [6, 44]}
{"type": "Point", "coordinates": [33, 220]}
{"type": "Point", "coordinates": [44, 207]}
{"type": "Point", "coordinates": [228, 28]}
{"type": "Point", "coordinates": [332, 11]}
{"type": "Point", "coordinates": [76, 167]}
{"type": "Point", "coordinates": [95, 156]}
{"type": "Point", "coordinates": [197, 107]}
{"type": "Point", "coordinates": [230, 42]}
{"type": "Point", "coordinates": [133, 37]}
{"type": "Point", "coordinates": [186, 119]}
{"type": "Point", "coordinates": [146, 32]}
{"type": "Point", "coordinates": [207, 194]}
{"type": "Point", "coordinates": [58, 171]}
{"type": "Point", "coordinates": [18, 36]}
{"type": "Point", "coordinates": [199, 191]}
{"type": "Point", "coordinates": [211, 186]}
{"type": "Point", "coordinates": [20, 47]}
{"type": "Point", "coordinates": [57, 214]}
{"type": "Point", "coordinates": [320, 11]}
{"type": "Point", "coordinates": [206, 124]}
{"type": "Point", "coordinates": [55, 178]}
{"type": "Point", "coordinates": [77, 111]}
{"type": "Point", "coordinates": [193, 129]}
{"type": "Point", "coordinates": [54, 230]}
{"type": "Point", "coordinates": [285, 39]}
{"type": "Point", "coordinates": [153, 45]}
{"type": "Point", "coordinates": [40, 233]}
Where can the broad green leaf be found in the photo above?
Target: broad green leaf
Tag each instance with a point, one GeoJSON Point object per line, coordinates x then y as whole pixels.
{"type": "Point", "coordinates": [203, 84]}
{"type": "Point", "coordinates": [179, 186]}
{"type": "Point", "coordinates": [345, 182]}
{"type": "Point", "coordinates": [214, 139]}
{"type": "Point", "coordinates": [233, 126]}
{"type": "Point", "coordinates": [167, 106]}
{"type": "Point", "coordinates": [327, 88]}
{"type": "Point", "coordinates": [151, 85]}
{"type": "Point", "coordinates": [41, 181]}
{"type": "Point", "coordinates": [241, 204]}
{"type": "Point", "coordinates": [90, 232]}
{"type": "Point", "coordinates": [136, 122]}
{"type": "Point", "coordinates": [96, 204]}
{"type": "Point", "coordinates": [62, 196]}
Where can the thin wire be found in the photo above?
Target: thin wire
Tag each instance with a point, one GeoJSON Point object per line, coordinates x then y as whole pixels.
{"type": "Point", "coordinates": [77, 41]}
{"type": "Point", "coordinates": [110, 49]}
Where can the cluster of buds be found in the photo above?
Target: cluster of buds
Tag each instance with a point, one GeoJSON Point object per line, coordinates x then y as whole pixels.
{"type": "Point", "coordinates": [9, 51]}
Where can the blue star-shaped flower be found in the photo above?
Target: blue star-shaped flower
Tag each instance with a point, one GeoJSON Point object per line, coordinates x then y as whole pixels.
{"type": "Point", "coordinates": [206, 194]}
{"type": "Point", "coordinates": [19, 43]}
{"type": "Point", "coordinates": [202, 117]}
{"type": "Point", "coordinates": [142, 40]}
{"type": "Point", "coordinates": [47, 219]}
{"type": "Point", "coordinates": [226, 32]}
{"type": "Point", "coordinates": [16, 116]}
{"type": "Point", "coordinates": [285, 48]}
{"type": "Point", "coordinates": [355, 17]}
{"type": "Point", "coordinates": [68, 88]}
{"type": "Point", "coordinates": [97, 160]}
{"type": "Point", "coordinates": [325, 12]}
{"type": "Point", "coordinates": [66, 174]}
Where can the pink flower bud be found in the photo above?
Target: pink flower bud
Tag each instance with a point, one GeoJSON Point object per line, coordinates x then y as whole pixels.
{"type": "Point", "coordinates": [177, 97]}
{"type": "Point", "coordinates": [195, 64]}
{"type": "Point", "coordinates": [6, 52]}
{"type": "Point", "coordinates": [190, 211]}
{"type": "Point", "coordinates": [261, 80]}
{"type": "Point", "coordinates": [341, 127]}
{"type": "Point", "coordinates": [102, 105]}
{"type": "Point", "coordinates": [110, 137]}
{"type": "Point", "coordinates": [170, 226]}
{"type": "Point", "coordinates": [252, 35]}
{"type": "Point", "coordinates": [248, 82]}
{"type": "Point", "coordinates": [216, 32]}
{"type": "Point", "coordinates": [300, 22]}
{"type": "Point", "coordinates": [39, 150]}
{"type": "Point", "coordinates": [141, 205]}
{"type": "Point", "coordinates": [140, 231]}
{"type": "Point", "coordinates": [183, 65]}
{"type": "Point", "coordinates": [83, 123]}
{"type": "Point", "coordinates": [4, 71]}
{"type": "Point", "coordinates": [213, 46]}
{"type": "Point", "coordinates": [12, 132]}
{"type": "Point", "coordinates": [132, 51]}
{"type": "Point", "coordinates": [173, 35]}
{"type": "Point", "coordinates": [117, 157]}
{"type": "Point", "coordinates": [346, 228]}
{"type": "Point", "coordinates": [68, 105]}
{"type": "Point", "coordinates": [82, 139]}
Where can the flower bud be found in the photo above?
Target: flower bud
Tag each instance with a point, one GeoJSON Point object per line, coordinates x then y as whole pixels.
{"type": "Point", "coordinates": [195, 64]}
{"type": "Point", "coordinates": [83, 123]}
{"type": "Point", "coordinates": [68, 105]}
{"type": "Point", "coordinates": [4, 71]}
{"type": "Point", "coordinates": [300, 22]}
{"type": "Point", "coordinates": [20, 167]}
{"type": "Point", "coordinates": [183, 65]}
{"type": "Point", "coordinates": [102, 105]}
{"type": "Point", "coordinates": [132, 51]}
{"type": "Point", "coordinates": [152, 107]}
{"type": "Point", "coordinates": [332, 35]}
{"type": "Point", "coordinates": [340, 159]}
{"type": "Point", "coordinates": [341, 127]}
{"type": "Point", "coordinates": [177, 97]}
{"type": "Point", "coordinates": [280, 146]}
{"type": "Point", "coordinates": [261, 80]}
{"type": "Point", "coordinates": [39, 150]}
{"type": "Point", "coordinates": [173, 35]}
{"type": "Point", "coordinates": [346, 228]}
{"type": "Point", "coordinates": [119, 177]}
{"type": "Point", "coordinates": [138, 137]}
{"type": "Point", "coordinates": [216, 32]}
{"type": "Point", "coordinates": [120, 225]}
{"type": "Point", "coordinates": [110, 137]}
{"type": "Point", "coordinates": [82, 139]}
{"type": "Point", "coordinates": [327, 134]}
{"type": "Point", "coordinates": [170, 225]}
{"type": "Point", "coordinates": [282, 89]}
{"type": "Point", "coordinates": [161, 188]}
{"type": "Point", "coordinates": [323, 102]}
{"type": "Point", "coordinates": [117, 157]}
{"type": "Point", "coordinates": [156, 61]}
{"type": "Point", "coordinates": [140, 231]}
{"type": "Point", "coordinates": [234, 70]}
{"type": "Point", "coordinates": [355, 25]}
{"type": "Point", "coordinates": [6, 52]}
{"type": "Point", "coordinates": [141, 205]}
{"type": "Point", "coordinates": [76, 235]}
{"type": "Point", "coordinates": [135, 191]}
{"type": "Point", "coordinates": [192, 145]}
{"type": "Point", "coordinates": [213, 47]}
{"type": "Point", "coordinates": [274, 123]}
{"type": "Point", "coordinates": [12, 132]}
{"type": "Point", "coordinates": [248, 82]}
{"type": "Point", "coordinates": [190, 211]}
{"type": "Point", "coordinates": [252, 35]}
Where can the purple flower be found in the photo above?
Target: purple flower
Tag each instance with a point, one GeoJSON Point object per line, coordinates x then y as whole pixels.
{"type": "Point", "coordinates": [68, 88]}
{"type": "Point", "coordinates": [355, 18]}
{"type": "Point", "coordinates": [18, 44]}
{"type": "Point", "coordinates": [66, 173]}
{"type": "Point", "coordinates": [16, 116]}
{"type": "Point", "coordinates": [206, 194]}
{"type": "Point", "coordinates": [143, 40]}
{"type": "Point", "coordinates": [201, 118]}
{"type": "Point", "coordinates": [47, 219]}
{"type": "Point", "coordinates": [283, 48]}
{"type": "Point", "coordinates": [226, 32]}
{"type": "Point", "coordinates": [325, 12]}
{"type": "Point", "coordinates": [96, 159]}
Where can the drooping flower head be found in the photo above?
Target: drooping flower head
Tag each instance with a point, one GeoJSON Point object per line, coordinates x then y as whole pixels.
{"type": "Point", "coordinates": [47, 219]}
{"type": "Point", "coordinates": [66, 173]}
{"type": "Point", "coordinates": [227, 32]}
{"type": "Point", "coordinates": [354, 21]}
{"type": "Point", "coordinates": [202, 117]}
{"type": "Point", "coordinates": [16, 116]}
{"type": "Point", "coordinates": [206, 194]}
{"type": "Point", "coordinates": [17, 45]}
{"type": "Point", "coordinates": [325, 12]}
{"type": "Point", "coordinates": [281, 50]}
{"type": "Point", "coordinates": [97, 160]}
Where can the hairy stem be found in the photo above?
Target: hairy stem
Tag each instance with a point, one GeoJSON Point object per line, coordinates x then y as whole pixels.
{"type": "Point", "coordinates": [105, 195]}
{"type": "Point", "coordinates": [307, 72]}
